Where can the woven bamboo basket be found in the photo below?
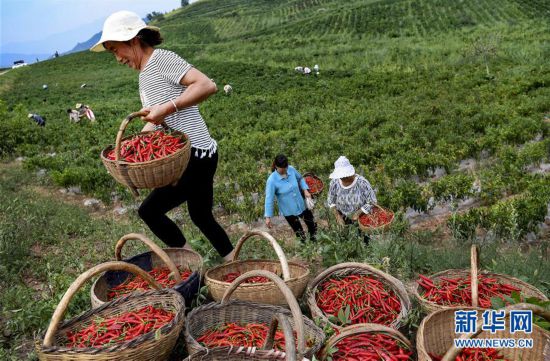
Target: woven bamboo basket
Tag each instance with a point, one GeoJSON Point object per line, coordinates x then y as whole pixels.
{"type": "Point", "coordinates": [436, 336]}
{"type": "Point", "coordinates": [312, 175]}
{"type": "Point", "coordinates": [526, 289]}
{"type": "Point", "coordinates": [154, 345]}
{"type": "Point", "coordinates": [358, 329]}
{"type": "Point", "coordinates": [379, 228]}
{"type": "Point", "coordinates": [151, 174]}
{"type": "Point", "coordinates": [349, 268]}
{"type": "Point", "coordinates": [252, 353]}
{"type": "Point", "coordinates": [205, 317]}
{"type": "Point", "coordinates": [157, 257]}
{"type": "Point", "coordinates": [295, 275]}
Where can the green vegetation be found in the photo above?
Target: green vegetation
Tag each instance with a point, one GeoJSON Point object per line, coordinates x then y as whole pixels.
{"type": "Point", "coordinates": [405, 87]}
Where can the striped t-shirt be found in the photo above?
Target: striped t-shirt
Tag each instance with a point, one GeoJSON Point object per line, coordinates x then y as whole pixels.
{"type": "Point", "coordinates": [159, 82]}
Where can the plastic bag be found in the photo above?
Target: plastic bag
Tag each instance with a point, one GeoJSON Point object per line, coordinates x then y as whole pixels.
{"type": "Point", "coordinates": [310, 203]}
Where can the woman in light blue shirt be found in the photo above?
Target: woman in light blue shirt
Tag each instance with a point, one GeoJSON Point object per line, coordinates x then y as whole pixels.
{"type": "Point", "coordinates": [285, 183]}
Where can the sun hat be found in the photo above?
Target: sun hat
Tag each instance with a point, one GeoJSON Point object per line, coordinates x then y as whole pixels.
{"type": "Point", "coordinates": [78, 105]}
{"type": "Point", "coordinates": [29, 115]}
{"type": "Point", "coordinates": [342, 168]}
{"type": "Point", "coordinates": [121, 26]}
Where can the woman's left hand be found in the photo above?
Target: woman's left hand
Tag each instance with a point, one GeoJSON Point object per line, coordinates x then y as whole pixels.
{"type": "Point", "coordinates": [156, 113]}
{"type": "Point", "coordinates": [307, 194]}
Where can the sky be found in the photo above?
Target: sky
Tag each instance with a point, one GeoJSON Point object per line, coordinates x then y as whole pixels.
{"type": "Point", "coordinates": [44, 26]}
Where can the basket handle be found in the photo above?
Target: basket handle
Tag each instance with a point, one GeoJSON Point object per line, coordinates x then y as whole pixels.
{"type": "Point", "coordinates": [274, 244]}
{"type": "Point", "coordinates": [358, 329]}
{"type": "Point", "coordinates": [121, 130]}
{"type": "Point", "coordinates": [154, 248]}
{"type": "Point", "coordinates": [473, 273]}
{"type": "Point", "coordinates": [290, 347]}
{"type": "Point", "coordinates": [292, 303]}
{"type": "Point", "coordinates": [451, 354]}
{"type": "Point", "coordinates": [79, 282]}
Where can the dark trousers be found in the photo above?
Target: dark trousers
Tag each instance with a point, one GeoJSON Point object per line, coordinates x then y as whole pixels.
{"type": "Point", "coordinates": [366, 237]}
{"type": "Point", "coordinates": [294, 222]}
{"type": "Point", "coordinates": [196, 188]}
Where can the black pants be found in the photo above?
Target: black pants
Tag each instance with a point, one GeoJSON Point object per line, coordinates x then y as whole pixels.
{"type": "Point", "coordinates": [294, 222]}
{"type": "Point", "coordinates": [196, 188]}
{"type": "Point", "coordinates": [366, 237]}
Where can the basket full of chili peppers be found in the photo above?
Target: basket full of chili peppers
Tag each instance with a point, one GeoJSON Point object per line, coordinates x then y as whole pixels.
{"type": "Point", "coordinates": [378, 219]}
{"type": "Point", "coordinates": [257, 289]}
{"type": "Point", "coordinates": [314, 183]}
{"type": "Point", "coordinates": [176, 268]}
{"type": "Point", "coordinates": [353, 293]}
{"type": "Point", "coordinates": [367, 342]}
{"type": "Point", "coordinates": [435, 339]}
{"type": "Point", "coordinates": [147, 160]}
{"type": "Point", "coordinates": [140, 326]}
{"type": "Point", "coordinates": [454, 288]}
{"type": "Point", "coordinates": [236, 323]}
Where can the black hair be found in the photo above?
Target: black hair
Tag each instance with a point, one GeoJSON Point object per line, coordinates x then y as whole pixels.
{"type": "Point", "coordinates": [69, 110]}
{"type": "Point", "coordinates": [150, 37]}
{"type": "Point", "coordinates": [280, 161]}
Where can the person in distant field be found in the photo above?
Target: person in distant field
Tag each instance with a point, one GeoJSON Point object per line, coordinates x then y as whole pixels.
{"type": "Point", "coordinates": [286, 184]}
{"type": "Point", "coordinates": [85, 111]}
{"type": "Point", "coordinates": [38, 119]}
{"type": "Point", "coordinates": [170, 89]}
{"type": "Point", "coordinates": [74, 116]}
{"type": "Point", "coordinates": [349, 194]}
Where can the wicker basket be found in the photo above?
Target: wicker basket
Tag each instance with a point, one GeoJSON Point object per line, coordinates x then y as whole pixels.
{"type": "Point", "coordinates": [360, 329]}
{"type": "Point", "coordinates": [312, 175]}
{"type": "Point", "coordinates": [525, 289]}
{"type": "Point", "coordinates": [295, 275]}
{"type": "Point", "coordinates": [154, 345]}
{"type": "Point", "coordinates": [379, 228]}
{"type": "Point", "coordinates": [158, 257]}
{"type": "Point", "coordinates": [345, 269]}
{"type": "Point", "coordinates": [151, 174]}
{"type": "Point", "coordinates": [211, 315]}
{"type": "Point", "coordinates": [252, 353]}
{"type": "Point", "coordinates": [436, 334]}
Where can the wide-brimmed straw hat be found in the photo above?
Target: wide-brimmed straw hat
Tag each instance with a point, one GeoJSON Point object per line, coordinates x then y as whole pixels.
{"type": "Point", "coordinates": [342, 168]}
{"type": "Point", "coordinates": [121, 26]}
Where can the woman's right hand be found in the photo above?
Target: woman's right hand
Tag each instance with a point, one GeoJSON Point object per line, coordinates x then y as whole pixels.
{"type": "Point", "coordinates": [268, 222]}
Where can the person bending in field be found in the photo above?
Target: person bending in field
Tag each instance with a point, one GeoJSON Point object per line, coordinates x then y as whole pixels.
{"type": "Point", "coordinates": [286, 184]}
{"type": "Point", "coordinates": [170, 89]}
{"type": "Point", "coordinates": [349, 194]}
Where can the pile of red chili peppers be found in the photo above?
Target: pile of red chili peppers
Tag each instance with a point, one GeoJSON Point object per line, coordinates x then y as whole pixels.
{"type": "Point", "coordinates": [315, 185]}
{"type": "Point", "coordinates": [376, 218]}
{"type": "Point", "coordinates": [457, 291]}
{"type": "Point", "coordinates": [230, 277]}
{"type": "Point", "coordinates": [371, 347]}
{"type": "Point", "coordinates": [146, 147]}
{"type": "Point", "coordinates": [475, 354]}
{"type": "Point", "coordinates": [369, 300]}
{"type": "Point", "coordinates": [125, 327]}
{"type": "Point", "coordinates": [233, 334]}
{"type": "Point", "coordinates": [160, 274]}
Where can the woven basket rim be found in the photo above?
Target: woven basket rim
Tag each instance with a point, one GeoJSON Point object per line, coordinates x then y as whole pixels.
{"type": "Point", "coordinates": [246, 285]}
{"type": "Point", "coordinates": [109, 147]}
{"type": "Point", "coordinates": [165, 330]}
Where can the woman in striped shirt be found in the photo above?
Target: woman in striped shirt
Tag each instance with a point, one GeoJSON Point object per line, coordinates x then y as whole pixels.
{"type": "Point", "coordinates": [170, 89]}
